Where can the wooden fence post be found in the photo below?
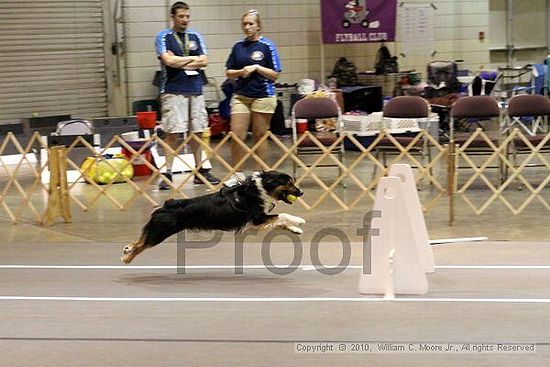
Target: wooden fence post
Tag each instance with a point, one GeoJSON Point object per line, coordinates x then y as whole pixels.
{"type": "Point", "coordinates": [451, 176]}
{"type": "Point", "coordinates": [58, 192]}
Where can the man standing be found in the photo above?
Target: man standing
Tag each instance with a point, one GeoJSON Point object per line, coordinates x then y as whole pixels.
{"type": "Point", "coordinates": [182, 53]}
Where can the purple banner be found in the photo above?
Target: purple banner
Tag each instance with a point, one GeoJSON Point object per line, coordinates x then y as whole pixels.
{"type": "Point", "coordinates": [346, 21]}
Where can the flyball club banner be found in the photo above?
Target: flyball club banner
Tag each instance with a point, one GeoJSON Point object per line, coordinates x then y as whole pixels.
{"type": "Point", "coordinates": [346, 21]}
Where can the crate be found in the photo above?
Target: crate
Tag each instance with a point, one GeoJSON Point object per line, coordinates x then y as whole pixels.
{"type": "Point", "coordinates": [371, 125]}
{"type": "Point", "coordinates": [363, 125]}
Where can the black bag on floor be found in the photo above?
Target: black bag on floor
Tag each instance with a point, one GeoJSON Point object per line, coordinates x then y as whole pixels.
{"type": "Point", "coordinates": [277, 125]}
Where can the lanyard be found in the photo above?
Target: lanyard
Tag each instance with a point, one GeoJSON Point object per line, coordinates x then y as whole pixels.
{"type": "Point", "coordinates": [184, 49]}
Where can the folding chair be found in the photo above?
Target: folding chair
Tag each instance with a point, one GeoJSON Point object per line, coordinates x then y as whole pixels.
{"type": "Point", "coordinates": [475, 109]}
{"type": "Point", "coordinates": [410, 108]}
{"type": "Point", "coordinates": [529, 112]}
{"type": "Point", "coordinates": [472, 107]}
{"type": "Point", "coordinates": [312, 109]}
{"type": "Point", "coordinates": [537, 108]}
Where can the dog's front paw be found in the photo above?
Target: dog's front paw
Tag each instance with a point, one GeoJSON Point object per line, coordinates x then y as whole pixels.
{"type": "Point", "coordinates": [295, 229]}
{"type": "Point", "coordinates": [292, 219]}
{"type": "Point", "coordinates": [298, 220]}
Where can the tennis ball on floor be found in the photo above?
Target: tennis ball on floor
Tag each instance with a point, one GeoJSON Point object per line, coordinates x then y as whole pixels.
{"type": "Point", "coordinates": [291, 198]}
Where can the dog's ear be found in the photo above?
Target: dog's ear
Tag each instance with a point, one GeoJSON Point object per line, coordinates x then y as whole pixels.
{"type": "Point", "coordinates": [265, 174]}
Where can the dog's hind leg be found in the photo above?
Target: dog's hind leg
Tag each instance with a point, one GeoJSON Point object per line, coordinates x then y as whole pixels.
{"type": "Point", "coordinates": [133, 249]}
{"type": "Point", "coordinates": [146, 240]}
{"type": "Point", "coordinates": [162, 224]}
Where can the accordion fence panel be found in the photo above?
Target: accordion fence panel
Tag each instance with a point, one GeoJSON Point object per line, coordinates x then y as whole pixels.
{"type": "Point", "coordinates": [24, 196]}
{"type": "Point", "coordinates": [510, 172]}
{"type": "Point", "coordinates": [22, 189]}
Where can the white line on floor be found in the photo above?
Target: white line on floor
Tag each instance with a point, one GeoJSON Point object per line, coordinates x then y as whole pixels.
{"type": "Point", "coordinates": [162, 267]}
{"type": "Point", "coordinates": [457, 267]}
{"type": "Point", "coordinates": [489, 267]}
{"type": "Point", "coordinates": [302, 267]}
{"type": "Point", "coordinates": [271, 299]}
{"type": "Point", "coordinates": [442, 241]}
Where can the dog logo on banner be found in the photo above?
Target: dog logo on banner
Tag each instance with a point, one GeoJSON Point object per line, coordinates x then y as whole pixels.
{"type": "Point", "coordinates": [349, 21]}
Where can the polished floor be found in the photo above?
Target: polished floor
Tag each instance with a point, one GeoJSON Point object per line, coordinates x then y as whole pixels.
{"type": "Point", "coordinates": [66, 299]}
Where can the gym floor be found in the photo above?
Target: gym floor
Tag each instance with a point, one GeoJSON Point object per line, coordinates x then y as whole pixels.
{"type": "Point", "coordinates": [66, 299]}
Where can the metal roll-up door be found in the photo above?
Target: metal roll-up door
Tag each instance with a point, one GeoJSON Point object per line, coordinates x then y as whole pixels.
{"type": "Point", "coordinates": [52, 59]}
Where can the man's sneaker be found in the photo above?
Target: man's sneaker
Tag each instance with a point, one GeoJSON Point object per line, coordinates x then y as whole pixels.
{"type": "Point", "coordinates": [163, 185]}
{"type": "Point", "coordinates": [237, 178]}
{"type": "Point", "coordinates": [206, 173]}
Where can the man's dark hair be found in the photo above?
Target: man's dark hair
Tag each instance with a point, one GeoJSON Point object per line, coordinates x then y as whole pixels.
{"type": "Point", "coordinates": [178, 5]}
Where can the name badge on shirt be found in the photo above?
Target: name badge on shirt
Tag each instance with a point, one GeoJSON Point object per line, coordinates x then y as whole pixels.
{"type": "Point", "coordinates": [191, 72]}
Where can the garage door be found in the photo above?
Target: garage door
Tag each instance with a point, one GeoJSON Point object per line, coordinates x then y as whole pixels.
{"type": "Point", "coordinates": [51, 59]}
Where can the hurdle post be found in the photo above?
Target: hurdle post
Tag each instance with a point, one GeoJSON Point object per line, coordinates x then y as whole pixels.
{"type": "Point", "coordinates": [418, 224]}
{"type": "Point", "coordinates": [400, 255]}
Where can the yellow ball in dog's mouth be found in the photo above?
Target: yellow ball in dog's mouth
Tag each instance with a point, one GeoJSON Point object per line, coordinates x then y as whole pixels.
{"type": "Point", "coordinates": [291, 198]}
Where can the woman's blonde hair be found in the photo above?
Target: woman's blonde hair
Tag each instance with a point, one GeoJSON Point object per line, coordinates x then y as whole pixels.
{"type": "Point", "coordinates": [256, 14]}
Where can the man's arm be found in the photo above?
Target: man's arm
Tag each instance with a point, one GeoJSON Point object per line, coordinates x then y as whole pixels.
{"type": "Point", "coordinates": [199, 62]}
{"type": "Point", "coordinates": [183, 62]}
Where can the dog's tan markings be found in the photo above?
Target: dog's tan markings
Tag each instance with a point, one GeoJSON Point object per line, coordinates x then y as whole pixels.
{"type": "Point", "coordinates": [132, 250]}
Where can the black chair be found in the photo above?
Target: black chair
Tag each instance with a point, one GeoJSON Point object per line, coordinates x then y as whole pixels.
{"type": "Point", "coordinates": [442, 79]}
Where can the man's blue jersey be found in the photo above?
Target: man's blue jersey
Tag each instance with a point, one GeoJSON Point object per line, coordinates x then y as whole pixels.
{"type": "Point", "coordinates": [176, 80]}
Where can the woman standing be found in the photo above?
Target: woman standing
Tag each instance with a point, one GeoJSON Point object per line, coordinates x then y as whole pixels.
{"type": "Point", "coordinates": [254, 64]}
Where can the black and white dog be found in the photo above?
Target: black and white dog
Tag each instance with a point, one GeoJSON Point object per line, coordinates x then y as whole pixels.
{"type": "Point", "coordinates": [229, 209]}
